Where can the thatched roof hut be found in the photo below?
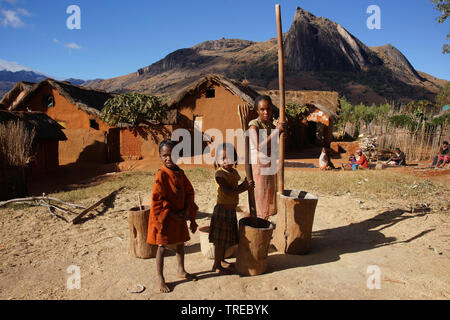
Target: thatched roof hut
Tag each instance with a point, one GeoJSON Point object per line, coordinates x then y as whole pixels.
{"type": "Point", "coordinates": [16, 93]}
{"type": "Point", "coordinates": [88, 100]}
{"type": "Point", "coordinates": [45, 127]}
{"type": "Point", "coordinates": [236, 88]}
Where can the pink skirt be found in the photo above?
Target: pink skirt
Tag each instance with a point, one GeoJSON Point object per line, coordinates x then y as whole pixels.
{"type": "Point", "coordinates": [265, 193]}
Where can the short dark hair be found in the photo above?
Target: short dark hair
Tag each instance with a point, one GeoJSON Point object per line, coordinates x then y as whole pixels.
{"type": "Point", "coordinates": [397, 149]}
{"type": "Point", "coordinates": [166, 143]}
{"type": "Point", "coordinates": [262, 98]}
{"type": "Point", "coordinates": [445, 142]}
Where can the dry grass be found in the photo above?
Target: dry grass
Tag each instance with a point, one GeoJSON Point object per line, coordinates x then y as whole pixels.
{"type": "Point", "coordinates": [15, 143]}
{"type": "Point", "coordinates": [367, 184]}
{"type": "Point", "coordinates": [383, 186]}
{"type": "Point", "coordinates": [133, 181]}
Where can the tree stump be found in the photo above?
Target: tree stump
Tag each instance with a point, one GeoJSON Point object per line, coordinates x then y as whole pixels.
{"type": "Point", "coordinates": [253, 247]}
{"type": "Point", "coordinates": [138, 223]}
{"type": "Point", "coordinates": [294, 221]}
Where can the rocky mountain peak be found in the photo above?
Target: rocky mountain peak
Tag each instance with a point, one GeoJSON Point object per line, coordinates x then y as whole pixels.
{"type": "Point", "coordinates": [318, 44]}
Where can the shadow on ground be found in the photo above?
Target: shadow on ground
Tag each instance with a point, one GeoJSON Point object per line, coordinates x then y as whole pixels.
{"type": "Point", "coordinates": [328, 245]}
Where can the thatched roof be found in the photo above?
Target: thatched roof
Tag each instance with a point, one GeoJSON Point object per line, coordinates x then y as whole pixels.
{"type": "Point", "coordinates": [326, 101]}
{"type": "Point", "coordinates": [21, 86]}
{"type": "Point", "coordinates": [236, 88]}
{"type": "Point", "coordinates": [88, 100]}
{"type": "Point", "coordinates": [45, 127]}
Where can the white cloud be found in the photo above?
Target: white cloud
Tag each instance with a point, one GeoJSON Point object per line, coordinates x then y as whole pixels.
{"type": "Point", "coordinates": [11, 18]}
{"type": "Point", "coordinates": [73, 45]}
{"type": "Point", "coordinates": [55, 40]}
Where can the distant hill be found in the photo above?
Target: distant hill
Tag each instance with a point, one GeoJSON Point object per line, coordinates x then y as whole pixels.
{"type": "Point", "coordinates": [12, 72]}
{"type": "Point", "coordinates": [319, 55]}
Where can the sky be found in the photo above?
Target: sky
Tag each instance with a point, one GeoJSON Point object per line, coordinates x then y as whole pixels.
{"type": "Point", "coordinates": [118, 37]}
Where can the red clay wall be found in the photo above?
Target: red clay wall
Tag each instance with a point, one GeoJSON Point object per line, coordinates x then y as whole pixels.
{"type": "Point", "coordinates": [83, 144]}
{"type": "Point", "coordinates": [344, 149]}
{"type": "Point", "coordinates": [46, 158]}
{"type": "Point", "coordinates": [220, 112]}
{"type": "Point", "coordinates": [143, 142]}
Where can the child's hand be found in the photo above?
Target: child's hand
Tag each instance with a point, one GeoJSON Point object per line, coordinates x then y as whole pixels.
{"type": "Point", "coordinates": [193, 226]}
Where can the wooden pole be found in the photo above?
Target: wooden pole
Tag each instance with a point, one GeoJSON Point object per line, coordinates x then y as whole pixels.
{"type": "Point", "coordinates": [243, 112]}
{"type": "Point", "coordinates": [282, 102]}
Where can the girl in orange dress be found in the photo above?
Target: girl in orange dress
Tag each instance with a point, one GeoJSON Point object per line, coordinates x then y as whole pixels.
{"type": "Point", "coordinates": [172, 200]}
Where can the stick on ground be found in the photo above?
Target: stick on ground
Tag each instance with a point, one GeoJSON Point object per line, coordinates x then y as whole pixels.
{"type": "Point", "coordinates": [82, 214]}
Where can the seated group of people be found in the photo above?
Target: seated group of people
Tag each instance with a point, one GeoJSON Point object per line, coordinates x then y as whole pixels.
{"type": "Point", "coordinates": [399, 159]}
{"type": "Point", "coordinates": [360, 160]}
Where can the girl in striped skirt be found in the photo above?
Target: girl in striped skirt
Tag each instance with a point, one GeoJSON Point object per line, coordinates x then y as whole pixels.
{"type": "Point", "coordinates": [223, 229]}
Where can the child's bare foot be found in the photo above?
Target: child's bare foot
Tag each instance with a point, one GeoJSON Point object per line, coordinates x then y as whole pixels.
{"type": "Point", "coordinates": [225, 264]}
{"type": "Point", "coordinates": [222, 270]}
{"type": "Point", "coordinates": [188, 276]}
{"type": "Point", "coordinates": [162, 287]}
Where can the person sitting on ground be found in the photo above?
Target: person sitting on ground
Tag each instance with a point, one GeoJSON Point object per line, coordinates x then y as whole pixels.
{"type": "Point", "coordinates": [325, 160]}
{"type": "Point", "coordinates": [444, 155]}
{"type": "Point", "coordinates": [399, 159]}
{"type": "Point", "coordinates": [361, 161]}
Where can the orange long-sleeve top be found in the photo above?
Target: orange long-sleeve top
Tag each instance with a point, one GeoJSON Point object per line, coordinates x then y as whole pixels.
{"type": "Point", "coordinates": [171, 192]}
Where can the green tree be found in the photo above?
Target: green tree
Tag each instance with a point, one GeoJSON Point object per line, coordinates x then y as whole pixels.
{"type": "Point", "coordinates": [443, 97]}
{"type": "Point", "coordinates": [420, 108]}
{"type": "Point", "coordinates": [296, 112]}
{"type": "Point", "coordinates": [133, 109]}
{"type": "Point", "coordinates": [444, 7]}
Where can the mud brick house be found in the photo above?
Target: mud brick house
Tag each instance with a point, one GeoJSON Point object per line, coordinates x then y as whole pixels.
{"type": "Point", "coordinates": [141, 141]}
{"type": "Point", "coordinates": [89, 139]}
{"type": "Point", "coordinates": [212, 102]}
{"type": "Point", "coordinates": [76, 109]}
{"type": "Point", "coordinates": [323, 107]}
{"type": "Point", "coordinates": [44, 159]}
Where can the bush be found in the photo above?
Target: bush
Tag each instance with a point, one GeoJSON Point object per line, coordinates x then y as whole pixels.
{"type": "Point", "coordinates": [133, 108]}
{"type": "Point", "coordinates": [403, 121]}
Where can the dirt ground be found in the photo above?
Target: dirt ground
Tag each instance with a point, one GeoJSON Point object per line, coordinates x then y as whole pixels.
{"type": "Point", "coordinates": [411, 250]}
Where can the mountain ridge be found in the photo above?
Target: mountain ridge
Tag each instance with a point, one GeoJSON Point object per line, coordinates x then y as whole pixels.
{"type": "Point", "coordinates": [319, 55]}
